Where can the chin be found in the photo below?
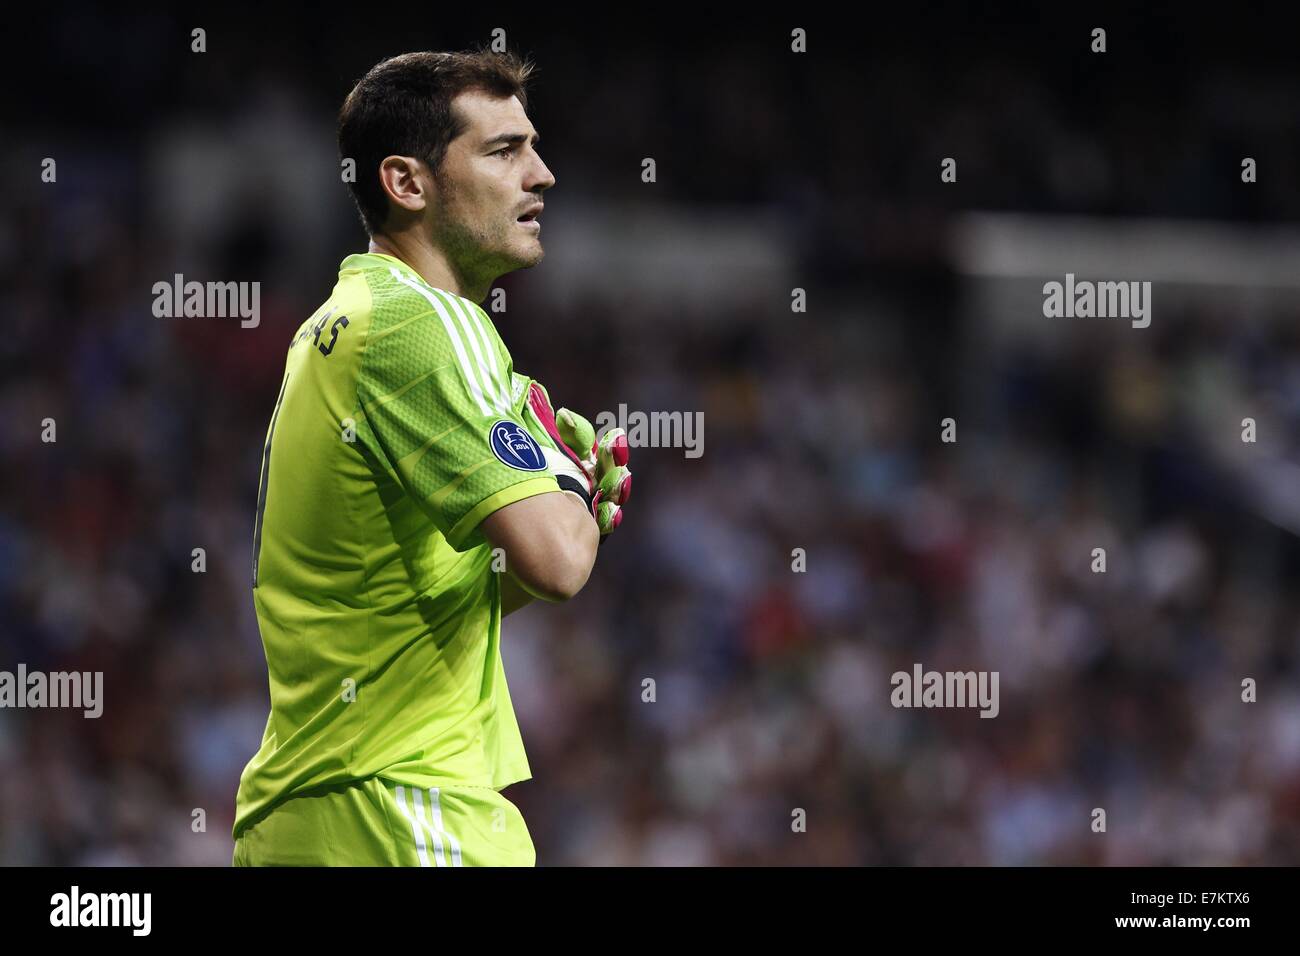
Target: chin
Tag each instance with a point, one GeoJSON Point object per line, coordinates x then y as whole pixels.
{"type": "Point", "coordinates": [531, 257]}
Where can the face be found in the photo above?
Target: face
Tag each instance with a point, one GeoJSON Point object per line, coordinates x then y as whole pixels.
{"type": "Point", "coordinates": [489, 189]}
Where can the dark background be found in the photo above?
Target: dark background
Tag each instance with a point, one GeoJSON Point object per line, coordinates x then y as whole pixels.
{"type": "Point", "coordinates": [775, 170]}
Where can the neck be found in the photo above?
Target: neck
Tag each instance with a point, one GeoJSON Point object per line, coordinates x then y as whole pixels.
{"type": "Point", "coordinates": [429, 262]}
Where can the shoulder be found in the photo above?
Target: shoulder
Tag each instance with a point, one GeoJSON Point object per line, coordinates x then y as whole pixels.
{"type": "Point", "coordinates": [398, 298]}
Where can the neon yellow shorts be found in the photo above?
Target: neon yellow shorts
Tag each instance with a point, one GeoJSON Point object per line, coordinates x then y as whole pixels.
{"type": "Point", "coordinates": [375, 822]}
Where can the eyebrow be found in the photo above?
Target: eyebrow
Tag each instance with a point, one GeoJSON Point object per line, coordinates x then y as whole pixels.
{"type": "Point", "coordinates": [512, 139]}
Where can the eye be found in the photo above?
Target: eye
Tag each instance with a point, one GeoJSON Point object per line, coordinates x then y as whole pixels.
{"type": "Point", "coordinates": [504, 150]}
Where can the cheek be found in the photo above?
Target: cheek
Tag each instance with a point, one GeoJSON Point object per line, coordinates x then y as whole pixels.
{"type": "Point", "coordinates": [491, 205]}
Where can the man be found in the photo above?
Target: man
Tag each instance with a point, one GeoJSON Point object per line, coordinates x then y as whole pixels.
{"type": "Point", "coordinates": [405, 460]}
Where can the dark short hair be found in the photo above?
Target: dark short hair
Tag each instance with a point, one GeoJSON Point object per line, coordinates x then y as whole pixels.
{"type": "Point", "coordinates": [402, 107]}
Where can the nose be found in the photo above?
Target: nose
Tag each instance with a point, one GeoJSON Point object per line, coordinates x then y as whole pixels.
{"type": "Point", "coordinates": [540, 177]}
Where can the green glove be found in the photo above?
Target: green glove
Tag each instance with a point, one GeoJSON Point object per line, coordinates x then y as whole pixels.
{"type": "Point", "coordinates": [605, 461]}
{"type": "Point", "coordinates": [595, 471]}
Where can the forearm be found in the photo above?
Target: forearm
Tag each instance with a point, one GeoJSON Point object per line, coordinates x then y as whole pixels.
{"type": "Point", "coordinates": [550, 543]}
{"type": "Point", "coordinates": [573, 547]}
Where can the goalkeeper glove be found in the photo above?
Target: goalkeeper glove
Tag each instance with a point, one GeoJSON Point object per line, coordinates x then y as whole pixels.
{"type": "Point", "coordinates": [596, 472]}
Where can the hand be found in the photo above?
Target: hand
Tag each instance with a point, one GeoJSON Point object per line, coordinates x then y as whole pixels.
{"type": "Point", "coordinates": [605, 462]}
{"type": "Point", "coordinates": [596, 472]}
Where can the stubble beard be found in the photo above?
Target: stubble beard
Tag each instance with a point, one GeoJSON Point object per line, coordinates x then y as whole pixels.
{"type": "Point", "coordinates": [481, 252]}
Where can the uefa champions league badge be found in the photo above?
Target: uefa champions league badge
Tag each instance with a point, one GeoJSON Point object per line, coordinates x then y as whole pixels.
{"type": "Point", "coordinates": [513, 446]}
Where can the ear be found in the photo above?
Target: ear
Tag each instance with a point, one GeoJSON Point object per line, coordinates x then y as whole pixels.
{"type": "Point", "coordinates": [405, 183]}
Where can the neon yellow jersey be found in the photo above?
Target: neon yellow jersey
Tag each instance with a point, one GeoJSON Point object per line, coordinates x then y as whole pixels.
{"type": "Point", "coordinates": [398, 428]}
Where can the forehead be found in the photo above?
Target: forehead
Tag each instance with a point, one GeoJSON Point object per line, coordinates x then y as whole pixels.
{"type": "Point", "coordinates": [486, 115]}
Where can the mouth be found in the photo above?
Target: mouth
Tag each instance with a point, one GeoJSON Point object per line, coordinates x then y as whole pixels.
{"type": "Point", "coordinates": [529, 218]}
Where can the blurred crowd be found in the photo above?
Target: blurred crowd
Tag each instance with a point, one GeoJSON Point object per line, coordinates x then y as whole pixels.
{"type": "Point", "coordinates": [770, 737]}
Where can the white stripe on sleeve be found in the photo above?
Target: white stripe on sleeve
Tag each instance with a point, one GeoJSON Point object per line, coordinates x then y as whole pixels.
{"type": "Point", "coordinates": [466, 369]}
{"type": "Point", "coordinates": [464, 311]}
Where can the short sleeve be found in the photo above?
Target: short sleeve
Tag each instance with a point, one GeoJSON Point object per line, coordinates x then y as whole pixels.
{"type": "Point", "coordinates": [434, 397]}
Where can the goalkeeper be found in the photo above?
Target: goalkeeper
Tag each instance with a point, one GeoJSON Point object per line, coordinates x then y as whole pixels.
{"type": "Point", "coordinates": [404, 461]}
